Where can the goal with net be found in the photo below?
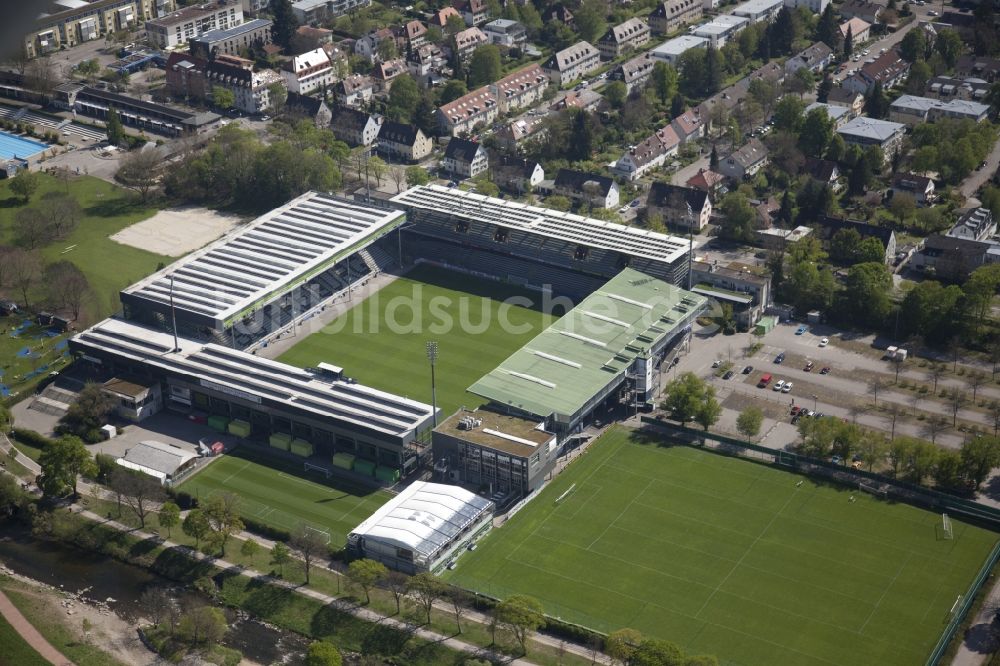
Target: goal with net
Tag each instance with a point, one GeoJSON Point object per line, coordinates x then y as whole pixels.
{"type": "Point", "coordinates": [320, 533]}
{"type": "Point", "coordinates": [946, 526]}
{"type": "Point", "coordinates": [309, 467]}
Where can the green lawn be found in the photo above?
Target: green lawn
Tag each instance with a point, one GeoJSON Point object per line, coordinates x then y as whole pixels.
{"type": "Point", "coordinates": [393, 358]}
{"type": "Point", "coordinates": [731, 558]}
{"type": "Point", "coordinates": [278, 493]}
{"type": "Point", "coordinates": [16, 652]}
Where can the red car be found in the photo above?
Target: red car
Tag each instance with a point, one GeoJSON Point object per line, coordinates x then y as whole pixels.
{"type": "Point", "coordinates": [796, 409]}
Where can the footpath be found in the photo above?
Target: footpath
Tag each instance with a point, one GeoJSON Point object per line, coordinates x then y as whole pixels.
{"type": "Point", "coordinates": [30, 634]}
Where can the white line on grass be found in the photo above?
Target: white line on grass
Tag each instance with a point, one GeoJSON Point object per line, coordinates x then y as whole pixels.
{"type": "Point", "coordinates": [627, 507]}
{"type": "Point", "coordinates": [239, 471]}
{"type": "Point", "coordinates": [885, 592]}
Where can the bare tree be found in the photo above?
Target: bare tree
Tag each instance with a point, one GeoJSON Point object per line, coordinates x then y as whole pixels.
{"type": "Point", "coordinates": [24, 268]}
{"type": "Point", "coordinates": [459, 600]}
{"type": "Point", "coordinates": [4, 266]}
{"type": "Point", "coordinates": [935, 372]}
{"type": "Point", "coordinates": [138, 171]}
{"type": "Point", "coordinates": [67, 286]}
{"type": "Point", "coordinates": [62, 213]}
{"type": "Point", "coordinates": [398, 176]}
{"type": "Point", "coordinates": [140, 492]}
{"type": "Point", "coordinates": [396, 582]}
{"type": "Point", "coordinates": [976, 379]}
{"type": "Point", "coordinates": [311, 544]}
{"type": "Point", "coordinates": [31, 229]}
{"type": "Point", "coordinates": [995, 357]}
{"type": "Point", "coordinates": [42, 76]}
{"type": "Point", "coordinates": [873, 387]}
{"type": "Point", "coordinates": [994, 408]}
{"type": "Point", "coordinates": [956, 400]}
{"type": "Point", "coordinates": [934, 426]}
{"type": "Point", "coordinates": [894, 413]}
{"type": "Point", "coordinates": [856, 410]}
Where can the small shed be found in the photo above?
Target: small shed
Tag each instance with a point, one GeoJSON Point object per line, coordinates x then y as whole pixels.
{"type": "Point", "coordinates": [109, 431]}
{"type": "Point", "coordinates": [166, 462]}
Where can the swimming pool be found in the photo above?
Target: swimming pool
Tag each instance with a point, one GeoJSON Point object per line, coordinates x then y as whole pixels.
{"type": "Point", "coordinates": [11, 146]}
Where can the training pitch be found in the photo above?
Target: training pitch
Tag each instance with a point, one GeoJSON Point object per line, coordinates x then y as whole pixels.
{"type": "Point", "coordinates": [727, 557]}
{"type": "Point", "coordinates": [381, 341]}
{"type": "Point", "coordinates": [278, 493]}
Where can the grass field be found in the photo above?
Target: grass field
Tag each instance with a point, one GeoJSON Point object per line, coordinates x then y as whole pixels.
{"type": "Point", "coordinates": [395, 360]}
{"type": "Point", "coordinates": [16, 652]}
{"type": "Point", "coordinates": [278, 493]}
{"type": "Point", "coordinates": [732, 558]}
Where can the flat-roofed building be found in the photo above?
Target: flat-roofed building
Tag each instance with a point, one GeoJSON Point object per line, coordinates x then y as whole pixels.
{"type": "Point", "coordinates": [746, 288]}
{"type": "Point", "coordinates": [503, 452]}
{"type": "Point", "coordinates": [167, 463]}
{"type": "Point", "coordinates": [670, 51]}
{"type": "Point", "coordinates": [721, 29]}
{"type": "Point", "coordinates": [670, 15]}
{"type": "Point", "coordinates": [175, 29]}
{"type": "Point", "coordinates": [759, 10]}
{"type": "Point", "coordinates": [622, 38]}
{"type": "Point", "coordinates": [66, 23]}
{"type": "Point", "coordinates": [506, 32]}
{"type": "Point", "coordinates": [866, 132]}
{"type": "Point", "coordinates": [572, 63]}
{"type": "Point", "coordinates": [243, 38]}
{"type": "Point", "coordinates": [312, 12]}
{"type": "Point", "coordinates": [420, 529]}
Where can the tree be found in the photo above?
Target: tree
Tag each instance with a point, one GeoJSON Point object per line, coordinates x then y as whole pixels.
{"type": "Point", "coordinates": [278, 95]}
{"type": "Point", "coordinates": [934, 372]}
{"type": "Point", "coordinates": [902, 206]}
{"type": "Point", "coordinates": [685, 397]}
{"type": "Point", "coordinates": [116, 131]}
{"type": "Point", "coordinates": [956, 400]}
{"type": "Point", "coordinates": [876, 103]}
{"type": "Point", "coordinates": [749, 421]}
{"type": "Point", "coordinates": [140, 492]}
{"type": "Point", "coordinates": [310, 544]}
{"type": "Point", "coordinates": [948, 43]}
{"type": "Point", "coordinates": [284, 23]}
{"type": "Point", "coordinates": [913, 46]}
{"type": "Point", "coordinates": [656, 652]}
{"type": "Point", "coordinates": [67, 286]}
{"type": "Point", "coordinates": [621, 645]}
{"type": "Point", "coordinates": [223, 513]}
{"type": "Point", "coordinates": [979, 455]}
{"type": "Point", "coordinates": [12, 496]}
{"type": "Point", "coordinates": [664, 79]}
{"type": "Point", "coordinates": [788, 114]}
{"type": "Point", "coordinates": [521, 615]}
{"type": "Point", "coordinates": [386, 50]}
{"type": "Point", "coordinates": [203, 625]}
{"type": "Point", "coordinates": [865, 299]}
{"type": "Point", "coordinates": [323, 653]}
{"type": "Point", "coordinates": [817, 130]}
{"type": "Point", "coordinates": [713, 159]}
{"type": "Point", "coordinates": [366, 574]}
{"type": "Point", "coordinates": [62, 462]}
{"type": "Point", "coordinates": [849, 42]}
{"type": "Point", "coordinates": [280, 556]}
{"type": "Point", "coordinates": [88, 412]}
{"type": "Point", "coordinates": [417, 175]}
{"type": "Point", "coordinates": [452, 90]}
{"type": "Point", "coordinates": [24, 184]}
{"type": "Point", "coordinates": [934, 426]}
{"type": "Point", "coordinates": [31, 228]}
{"type": "Point", "coordinates": [249, 548]}
{"type": "Point", "coordinates": [62, 213]}
{"type": "Point", "coordinates": [138, 171]}
{"type": "Point", "coordinates": [403, 98]}
{"type": "Point", "coordinates": [558, 202]}
{"type": "Point", "coordinates": [170, 516]}
{"type": "Point", "coordinates": [484, 66]}
{"type": "Point", "coordinates": [709, 411]}
{"type": "Point", "coordinates": [224, 98]}
{"type": "Point", "coordinates": [590, 19]}
{"type": "Point", "coordinates": [920, 74]}
{"type": "Point", "coordinates": [827, 28]}
{"type": "Point", "coordinates": [873, 450]}
{"type": "Point", "coordinates": [737, 217]}
{"type": "Point", "coordinates": [424, 589]}
{"type": "Point", "coordinates": [616, 93]}
{"type": "Point", "coordinates": [459, 601]}
{"type": "Point", "coordinates": [196, 526]}
{"type": "Point", "coordinates": [396, 583]}
{"type": "Point", "coordinates": [975, 380]}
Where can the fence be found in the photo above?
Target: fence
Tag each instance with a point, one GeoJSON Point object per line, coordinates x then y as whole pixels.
{"type": "Point", "coordinates": [907, 492]}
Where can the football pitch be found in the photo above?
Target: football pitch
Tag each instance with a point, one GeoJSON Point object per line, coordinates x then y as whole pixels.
{"type": "Point", "coordinates": [278, 493]}
{"type": "Point", "coordinates": [727, 557]}
{"type": "Point", "coordinates": [381, 341]}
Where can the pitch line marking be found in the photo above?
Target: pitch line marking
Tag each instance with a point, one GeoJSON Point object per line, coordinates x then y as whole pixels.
{"type": "Point", "coordinates": [885, 592]}
{"type": "Point", "coordinates": [239, 471]}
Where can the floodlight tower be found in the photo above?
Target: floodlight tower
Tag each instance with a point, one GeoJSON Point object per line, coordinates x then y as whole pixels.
{"type": "Point", "coordinates": [432, 354]}
{"type": "Point", "coordinates": [173, 314]}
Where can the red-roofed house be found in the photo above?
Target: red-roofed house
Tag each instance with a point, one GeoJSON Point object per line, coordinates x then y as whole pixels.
{"type": "Point", "coordinates": [649, 154]}
{"type": "Point", "coordinates": [521, 88]}
{"type": "Point", "coordinates": [688, 126]}
{"type": "Point", "coordinates": [707, 181]}
{"type": "Point", "coordinates": [464, 114]}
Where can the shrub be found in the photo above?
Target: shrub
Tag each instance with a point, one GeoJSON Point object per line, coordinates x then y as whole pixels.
{"type": "Point", "coordinates": [31, 438]}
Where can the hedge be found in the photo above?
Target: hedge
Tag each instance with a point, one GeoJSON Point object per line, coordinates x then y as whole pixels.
{"type": "Point", "coordinates": [31, 438]}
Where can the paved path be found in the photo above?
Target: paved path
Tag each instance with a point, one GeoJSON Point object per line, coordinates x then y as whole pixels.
{"type": "Point", "coordinates": [28, 632]}
{"type": "Point", "coordinates": [978, 178]}
{"type": "Point", "coordinates": [983, 638]}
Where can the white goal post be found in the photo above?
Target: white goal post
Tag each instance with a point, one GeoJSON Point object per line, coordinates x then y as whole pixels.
{"type": "Point", "coordinates": [324, 535]}
{"type": "Point", "coordinates": [946, 526]}
{"type": "Point", "coordinates": [309, 467]}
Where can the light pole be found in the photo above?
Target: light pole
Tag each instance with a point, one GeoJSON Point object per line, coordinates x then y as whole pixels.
{"type": "Point", "coordinates": [690, 219]}
{"type": "Point", "coordinates": [173, 314]}
{"type": "Point", "coordinates": [814, 402]}
{"type": "Point", "coordinates": [432, 354]}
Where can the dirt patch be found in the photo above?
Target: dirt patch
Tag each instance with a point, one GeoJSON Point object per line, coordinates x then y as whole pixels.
{"type": "Point", "coordinates": [177, 231]}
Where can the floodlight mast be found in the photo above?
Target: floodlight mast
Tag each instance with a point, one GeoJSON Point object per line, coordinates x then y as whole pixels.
{"type": "Point", "coordinates": [432, 353]}
{"type": "Point", "coordinates": [173, 314]}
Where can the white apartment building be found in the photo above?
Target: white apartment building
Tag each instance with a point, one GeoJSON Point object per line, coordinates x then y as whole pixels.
{"type": "Point", "coordinates": [309, 72]}
{"type": "Point", "coordinates": [573, 63]}
{"type": "Point", "coordinates": [176, 28]}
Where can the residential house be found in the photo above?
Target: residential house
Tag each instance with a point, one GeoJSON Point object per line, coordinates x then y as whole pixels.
{"type": "Point", "coordinates": [312, 38]}
{"type": "Point", "coordinates": [724, 103]}
{"type": "Point", "coordinates": [860, 30]}
{"type": "Point", "coordinates": [244, 37]}
{"type": "Point", "coordinates": [519, 89]}
{"type": "Point", "coordinates": [823, 171]}
{"type": "Point", "coordinates": [312, 108]}
{"type": "Point", "coordinates": [866, 132]}
{"type": "Point", "coordinates": [634, 73]}
{"type": "Point", "coordinates": [688, 126]}
{"type": "Point", "coordinates": [817, 7]}
{"type": "Point", "coordinates": [711, 183]}
{"type": "Point", "coordinates": [560, 14]}
{"type": "Point", "coordinates": [827, 227]}
{"type": "Point", "coordinates": [622, 38]}
{"type": "Point", "coordinates": [314, 12]}
{"type": "Point", "coordinates": [440, 17]}
{"type": "Point", "coordinates": [192, 78]}
{"type": "Point", "coordinates": [308, 72]}
{"type": "Point", "coordinates": [980, 67]}
{"type": "Point", "coordinates": [863, 9]}
{"type": "Point", "coordinates": [505, 32]}
{"type": "Point", "coordinates": [851, 99]}
{"type": "Point", "coordinates": [469, 111]}
{"type": "Point", "coordinates": [515, 174]}
{"type": "Point", "coordinates": [975, 224]}
{"type": "Point", "coordinates": [710, 5]}
{"type": "Point", "coordinates": [572, 63]}
{"type": "Point", "coordinates": [354, 90]}
{"type": "Point", "coordinates": [952, 258]}
{"type": "Point", "coordinates": [765, 210]}
{"type": "Point", "coordinates": [415, 34]}
{"type": "Point", "coordinates": [425, 63]}
{"type": "Point", "coordinates": [921, 188]}
{"type": "Point", "coordinates": [468, 40]}
{"type": "Point", "coordinates": [585, 100]}
{"type": "Point", "coordinates": [475, 12]}
{"type": "Point", "coordinates": [680, 206]}
{"type": "Point", "coordinates": [368, 46]}
{"type": "Point", "coordinates": [777, 239]}
{"type": "Point", "coordinates": [745, 161]}
{"type": "Point", "coordinates": [176, 28]}
{"type": "Point", "coordinates": [355, 127]}
{"type": "Point", "coordinates": [465, 159]}
{"type": "Point", "coordinates": [887, 69]}
{"type": "Point", "coordinates": [948, 87]}
{"type": "Point", "coordinates": [648, 154]}
{"type": "Point", "coordinates": [815, 59]}
{"type": "Point", "coordinates": [384, 73]}
{"type": "Point", "coordinates": [511, 136]}
{"type": "Point", "coordinates": [590, 188]}
{"type": "Point", "coordinates": [839, 115]}
{"type": "Point", "coordinates": [746, 288]}
{"type": "Point", "coordinates": [66, 24]}
{"type": "Point", "coordinates": [670, 15]}
{"type": "Point", "coordinates": [405, 143]}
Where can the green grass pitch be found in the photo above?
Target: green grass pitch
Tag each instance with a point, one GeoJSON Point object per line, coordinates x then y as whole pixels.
{"type": "Point", "coordinates": [370, 351]}
{"type": "Point", "coordinates": [732, 558]}
{"type": "Point", "coordinates": [280, 494]}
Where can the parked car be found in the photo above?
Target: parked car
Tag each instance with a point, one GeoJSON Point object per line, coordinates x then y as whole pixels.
{"type": "Point", "coordinates": [801, 329]}
{"type": "Point", "coordinates": [764, 380]}
{"type": "Point", "coordinates": [634, 203]}
{"type": "Point", "coordinates": [677, 359]}
{"type": "Point", "coordinates": [795, 410]}
{"type": "Point", "coordinates": [716, 363]}
{"type": "Point", "coordinates": [747, 369]}
{"type": "Point", "coordinates": [779, 385]}
{"type": "Point", "coordinates": [809, 366]}
{"type": "Point", "coordinates": [825, 371]}
{"type": "Point", "coordinates": [824, 342]}
{"type": "Point", "coordinates": [779, 358]}
{"type": "Point", "coordinates": [787, 388]}
{"type": "Point", "coordinates": [728, 375]}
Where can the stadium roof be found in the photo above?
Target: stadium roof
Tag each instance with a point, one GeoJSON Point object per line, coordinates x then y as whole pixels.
{"type": "Point", "coordinates": [545, 222]}
{"type": "Point", "coordinates": [255, 379]}
{"type": "Point", "coordinates": [239, 272]}
{"type": "Point", "coordinates": [574, 359]}
{"type": "Point", "coordinates": [424, 517]}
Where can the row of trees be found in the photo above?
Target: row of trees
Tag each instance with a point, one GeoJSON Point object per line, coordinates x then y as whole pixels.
{"type": "Point", "coordinates": [630, 648]}
{"type": "Point", "coordinates": [63, 284]}
{"type": "Point", "coordinates": [690, 398]}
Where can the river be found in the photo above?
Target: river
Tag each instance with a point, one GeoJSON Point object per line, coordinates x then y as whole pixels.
{"type": "Point", "coordinates": [73, 569]}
